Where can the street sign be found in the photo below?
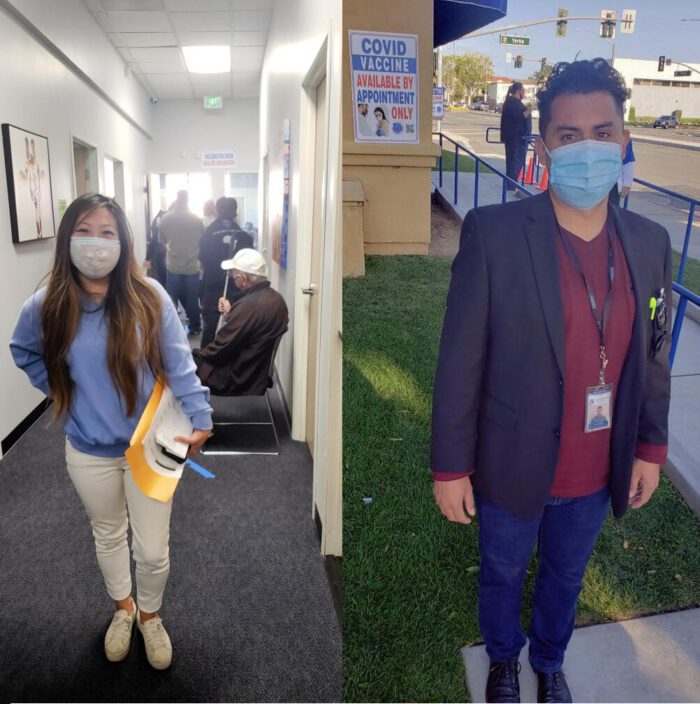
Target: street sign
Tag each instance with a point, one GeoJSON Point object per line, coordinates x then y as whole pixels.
{"type": "Point", "coordinates": [627, 22]}
{"type": "Point", "coordinates": [213, 102]}
{"type": "Point", "coordinates": [682, 73]}
{"type": "Point", "coordinates": [516, 41]}
{"type": "Point", "coordinates": [607, 26]}
{"type": "Point", "coordinates": [509, 57]}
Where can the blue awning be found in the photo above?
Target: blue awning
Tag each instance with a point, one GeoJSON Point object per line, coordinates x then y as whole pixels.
{"type": "Point", "coordinates": [455, 18]}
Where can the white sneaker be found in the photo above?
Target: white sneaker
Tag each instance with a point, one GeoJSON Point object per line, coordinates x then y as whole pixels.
{"type": "Point", "coordinates": [159, 650]}
{"type": "Point", "coordinates": [118, 636]}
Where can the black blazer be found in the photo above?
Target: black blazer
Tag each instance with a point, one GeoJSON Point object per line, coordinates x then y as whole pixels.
{"type": "Point", "coordinates": [497, 401]}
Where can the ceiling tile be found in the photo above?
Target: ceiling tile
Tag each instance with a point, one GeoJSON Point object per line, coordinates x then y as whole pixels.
{"type": "Point", "coordinates": [103, 20]}
{"type": "Point", "coordinates": [138, 5]}
{"type": "Point", "coordinates": [146, 39]}
{"type": "Point", "coordinates": [125, 54]}
{"type": "Point", "coordinates": [93, 5]}
{"type": "Point", "coordinates": [204, 38]}
{"type": "Point", "coordinates": [253, 4]}
{"type": "Point", "coordinates": [159, 54]}
{"type": "Point", "coordinates": [197, 5]}
{"type": "Point", "coordinates": [245, 79]}
{"type": "Point", "coordinates": [248, 38]}
{"type": "Point", "coordinates": [140, 22]}
{"type": "Point", "coordinates": [160, 67]}
{"type": "Point", "coordinates": [245, 92]}
{"type": "Point", "coordinates": [211, 84]}
{"type": "Point", "coordinates": [200, 21]}
{"type": "Point", "coordinates": [247, 67]}
{"type": "Point", "coordinates": [169, 86]}
{"type": "Point", "coordinates": [250, 21]}
{"type": "Point", "coordinates": [247, 53]}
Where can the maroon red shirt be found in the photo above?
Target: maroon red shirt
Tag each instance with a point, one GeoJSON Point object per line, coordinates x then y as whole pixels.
{"type": "Point", "coordinates": [584, 458]}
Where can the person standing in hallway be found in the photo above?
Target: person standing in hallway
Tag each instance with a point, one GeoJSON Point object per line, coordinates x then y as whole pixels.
{"type": "Point", "coordinates": [549, 303]}
{"type": "Point", "coordinates": [180, 233]}
{"type": "Point", "coordinates": [94, 340]}
{"type": "Point", "coordinates": [223, 239]}
{"type": "Point", "coordinates": [514, 126]}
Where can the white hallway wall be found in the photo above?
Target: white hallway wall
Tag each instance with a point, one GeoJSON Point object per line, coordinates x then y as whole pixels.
{"type": "Point", "coordinates": [298, 30]}
{"type": "Point", "coordinates": [41, 95]}
{"type": "Point", "coordinates": [183, 129]}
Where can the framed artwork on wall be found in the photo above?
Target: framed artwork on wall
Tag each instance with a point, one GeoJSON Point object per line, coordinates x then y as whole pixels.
{"type": "Point", "coordinates": [29, 184]}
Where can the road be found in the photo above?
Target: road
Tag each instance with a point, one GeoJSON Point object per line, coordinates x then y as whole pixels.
{"type": "Point", "coordinates": [671, 167]}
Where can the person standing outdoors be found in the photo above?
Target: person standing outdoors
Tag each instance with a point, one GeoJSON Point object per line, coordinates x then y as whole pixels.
{"type": "Point", "coordinates": [94, 340]}
{"type": "Point", "coordinates": [180, 232]}
{"type": "Point", "coordinates": [514, 126]}
{"type": "Point", "coordinates": [223, 239]}
{"type": "Point", "coordinates": [621, 189]}
{"type": "Point", "coordinates": [549, 303]}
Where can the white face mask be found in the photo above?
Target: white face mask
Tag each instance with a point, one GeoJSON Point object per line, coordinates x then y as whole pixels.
{"type": "Point", "coordinates": [94, 257]}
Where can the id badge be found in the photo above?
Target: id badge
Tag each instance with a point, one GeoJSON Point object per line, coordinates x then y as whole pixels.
{"type": "Point", "coordinates": [598, 408]}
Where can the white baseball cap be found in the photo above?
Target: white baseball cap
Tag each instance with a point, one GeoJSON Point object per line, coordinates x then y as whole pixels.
{"type": "Point", "coordinates": [248, 261]}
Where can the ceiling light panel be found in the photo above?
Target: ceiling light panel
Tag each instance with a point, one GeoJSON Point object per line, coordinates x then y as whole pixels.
{"type": "Point", "coordinates": [201, 21]}
{"type": "Point", "coordinates": [204, 38]}
{"type": "Point", "coordinates": [207, 59]}
{"type": "Point", "coordinates": [197, 5]}
{"type": "Point", "coordinates": [251, 21]}
{"type": "Point", "coordinates": [137, 5]}
{"type": "Point", "coordinates": [146, 39]}
{"type": "Point", "coordinates": [139, 22]}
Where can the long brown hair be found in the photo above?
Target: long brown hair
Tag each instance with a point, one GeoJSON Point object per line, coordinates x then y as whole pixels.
{"type": "Point", "coordinates": [132, 307]}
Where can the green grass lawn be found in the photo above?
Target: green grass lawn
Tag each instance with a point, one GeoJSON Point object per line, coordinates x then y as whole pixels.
{"type": "Point", "coordinates": [409, 576]}
{"type": "Point", "coordinates": [466, 163]}
{"type": "Point", "coordinates": [691, 273]}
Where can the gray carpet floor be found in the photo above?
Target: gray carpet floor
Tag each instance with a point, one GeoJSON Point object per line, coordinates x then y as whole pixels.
{"type": "Point", "coordinates": [248, 607]}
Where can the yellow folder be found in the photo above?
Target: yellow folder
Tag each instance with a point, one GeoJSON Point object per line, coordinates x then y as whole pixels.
{"type": "Point", "coordinates": [153, 478]}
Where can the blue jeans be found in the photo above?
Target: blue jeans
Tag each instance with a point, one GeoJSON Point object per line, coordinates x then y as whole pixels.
{"type": "Point", "coordinates": [185, 288]}
{"type": "Point", "coordinates": [565, 533]}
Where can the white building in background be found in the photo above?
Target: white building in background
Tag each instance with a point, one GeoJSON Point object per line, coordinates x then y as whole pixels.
{"type": "Point", "coordinates": [497, 90]}
{"type": "Point", "coordinates": [657, 92]}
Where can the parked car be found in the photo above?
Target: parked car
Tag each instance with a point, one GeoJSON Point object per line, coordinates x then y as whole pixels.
{"type": "Point", "coordinates": [666, 121]}
{"type": "Point", "coordinates": [480, 105]}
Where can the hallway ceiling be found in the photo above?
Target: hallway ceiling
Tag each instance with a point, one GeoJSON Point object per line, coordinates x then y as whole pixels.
{"type": "Point", "coordinates": [150, 34]}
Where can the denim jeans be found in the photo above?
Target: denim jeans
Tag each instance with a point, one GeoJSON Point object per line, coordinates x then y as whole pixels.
{"type": "Point", "coordinates": [185, 288]}
{"type": "Point", "coordinates": [565, 533]}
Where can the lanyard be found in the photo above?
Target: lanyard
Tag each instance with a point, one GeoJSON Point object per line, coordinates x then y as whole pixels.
{"type": "Point", "coordinates": [599, 319]}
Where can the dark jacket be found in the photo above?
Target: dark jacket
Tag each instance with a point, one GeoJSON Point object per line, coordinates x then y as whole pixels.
{"type": "Point", "coordinates": [498, 390]}
{"type": "Point", "coordinates": [238, 361]}
{"type": "Point", "coordinates": [221, 240]}
{"type": "Point", "coordinates": [514, 124]}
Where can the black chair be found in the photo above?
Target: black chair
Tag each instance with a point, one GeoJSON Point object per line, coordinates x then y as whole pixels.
{"type": "Point", "coordinates": [271, 422]}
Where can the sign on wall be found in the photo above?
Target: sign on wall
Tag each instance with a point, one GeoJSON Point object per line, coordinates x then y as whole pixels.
{"type": "Point", "coordinates": [384, 70]}
{"type": "Point", "coordinates": [280, 219]}
{"type": "Point", "coordinates": [438, 102]}
{"type": "Point", "coordinates": [218, 160]}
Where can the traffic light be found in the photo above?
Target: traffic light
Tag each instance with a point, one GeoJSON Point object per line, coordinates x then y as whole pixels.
{"type": "Point", "coordinates": [662, 63]}
{"type": "Point", "coordinates": [562, 23]}
{"type": "Point", "coordinates": [543, 63]}
{"type": "Point", "coordinates": [518, 61]}
{"type": "Point", "coordinates": [607, 25]}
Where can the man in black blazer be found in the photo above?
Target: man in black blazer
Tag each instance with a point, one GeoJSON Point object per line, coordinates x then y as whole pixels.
{"type": "Point", "coordinates": [556, 313]}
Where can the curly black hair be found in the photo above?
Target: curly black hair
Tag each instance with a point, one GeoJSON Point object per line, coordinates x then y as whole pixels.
{"type": "Point", "coordinates": [580, 77]}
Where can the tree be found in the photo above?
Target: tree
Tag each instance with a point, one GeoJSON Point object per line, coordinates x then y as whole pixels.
{"type": "Point", "coordinates": [542, 74]}
{"type": "Point", "coordinates": [465, 75]}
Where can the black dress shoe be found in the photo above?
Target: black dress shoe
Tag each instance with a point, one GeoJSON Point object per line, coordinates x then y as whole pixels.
{"type": "Point", "coordinates": [502, 684]}
{"type": "Point", "coordinates": [552, 687]}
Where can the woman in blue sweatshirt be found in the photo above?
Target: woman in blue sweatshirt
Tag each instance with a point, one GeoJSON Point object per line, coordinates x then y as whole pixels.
{"type": "Point", "coordinates": [94, 340]}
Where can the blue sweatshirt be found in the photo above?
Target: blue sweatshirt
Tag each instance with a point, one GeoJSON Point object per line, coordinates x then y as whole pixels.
{"type": "Point", "coordinates": [96, 422]}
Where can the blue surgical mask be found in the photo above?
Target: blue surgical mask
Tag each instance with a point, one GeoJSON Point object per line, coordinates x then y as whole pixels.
{"type": "Point", "coordinates": [583, 173]}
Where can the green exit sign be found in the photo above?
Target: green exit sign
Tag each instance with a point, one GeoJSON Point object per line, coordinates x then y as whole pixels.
{"type": "Point", "coordinates": [515, 41]}
{"type": "Point", "coordinates": [213, 102]}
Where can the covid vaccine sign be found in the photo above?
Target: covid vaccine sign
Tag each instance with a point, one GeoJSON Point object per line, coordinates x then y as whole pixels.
{"type": "Point", "coordinates": [384, 87]}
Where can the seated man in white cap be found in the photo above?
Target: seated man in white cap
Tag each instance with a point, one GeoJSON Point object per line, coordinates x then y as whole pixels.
{"type": "Point", "coordinates": [237, 362]}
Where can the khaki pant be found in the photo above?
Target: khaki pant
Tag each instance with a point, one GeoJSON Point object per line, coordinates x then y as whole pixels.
{"type": "Point", "coordinates": [106, 487]}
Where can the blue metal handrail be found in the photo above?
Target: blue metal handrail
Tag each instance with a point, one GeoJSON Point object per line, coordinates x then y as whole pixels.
{"type": "Point", "coordinates": [684, 294]}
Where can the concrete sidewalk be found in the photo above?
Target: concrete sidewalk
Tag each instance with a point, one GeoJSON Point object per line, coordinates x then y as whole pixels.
{"type": "Point", "coordinates": [652, 659]}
